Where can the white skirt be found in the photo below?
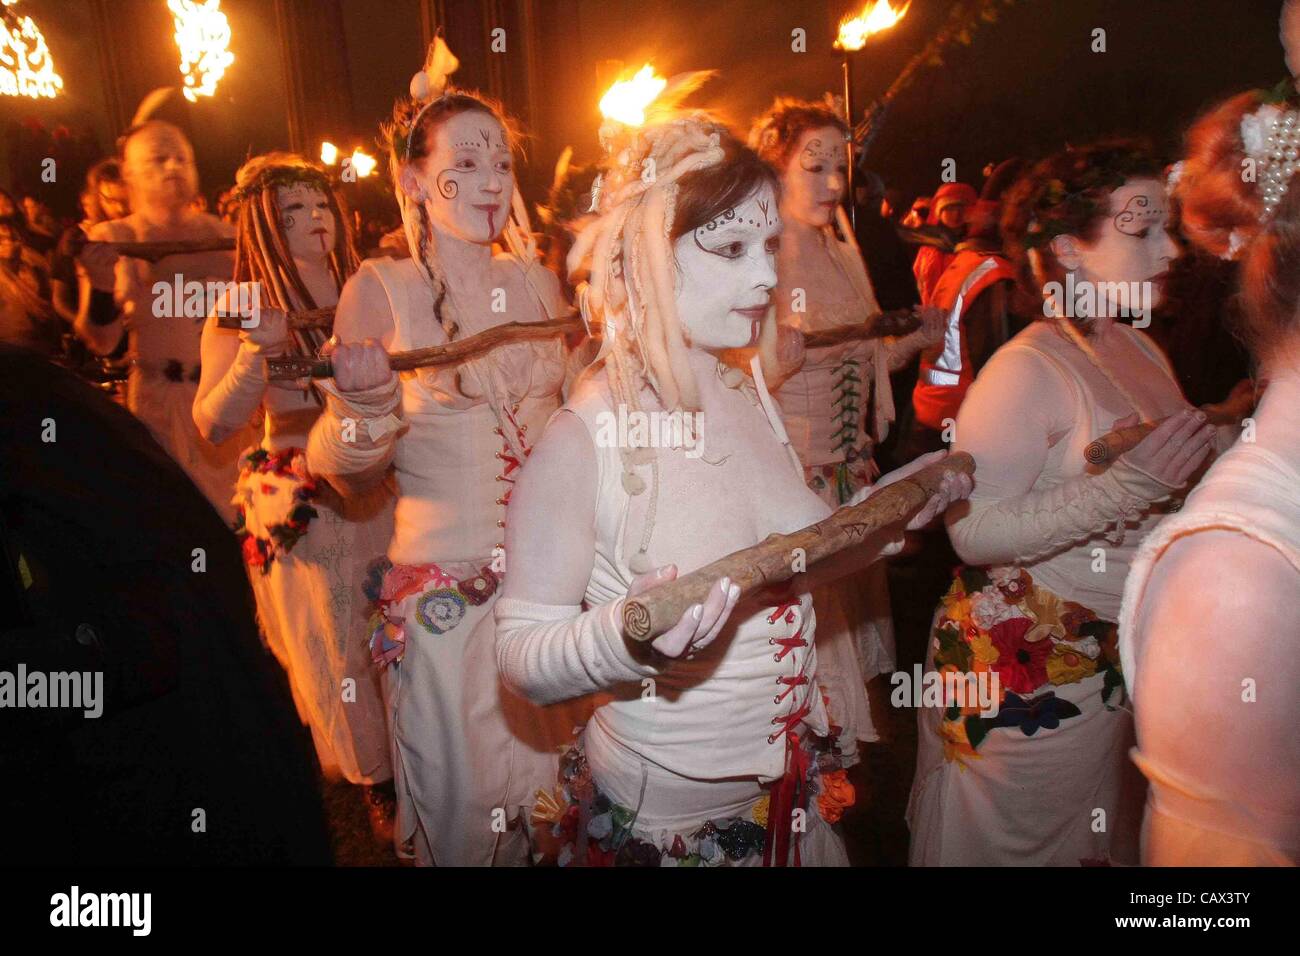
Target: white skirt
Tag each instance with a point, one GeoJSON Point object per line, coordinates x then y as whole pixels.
{"type": "Point", "coordinates": [313, 610]}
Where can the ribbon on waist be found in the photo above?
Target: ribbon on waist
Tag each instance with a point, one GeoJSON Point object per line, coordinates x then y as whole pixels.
{"type": "Point", "coordinates": [789, 794]}
{"type": "Point", "coordinates": [429, 593]}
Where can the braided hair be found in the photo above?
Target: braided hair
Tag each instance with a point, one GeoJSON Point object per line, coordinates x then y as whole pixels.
{"type": "Point", "coordinates": [261, 251]}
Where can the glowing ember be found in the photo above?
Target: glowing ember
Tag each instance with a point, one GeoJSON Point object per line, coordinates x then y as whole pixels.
{"type": "Point", "coordinates": [363, 164]}
{"type": "Point", "coordinates": [203, 37]}
{"type": "Point", "coordinates": [329, 153]}
{"type": "Point", "coordinates": [25, 65]}
{"type": "Point", "coordinates": [875, 16]}
{"type": "Point", "coordinates": [626, 100]}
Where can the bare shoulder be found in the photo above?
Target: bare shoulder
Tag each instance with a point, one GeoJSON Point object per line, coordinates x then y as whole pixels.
{"type": "Point", "coordinates": [1218, 579]}
{"type": "Point", "coordinates": [561, 469]}
{"type": "Point", "coordinates": [363, 309]}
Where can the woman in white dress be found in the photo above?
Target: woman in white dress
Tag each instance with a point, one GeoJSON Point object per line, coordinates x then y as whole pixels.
{"type": "Point", "coordinates": [711, 745]}
{"type": "Point", "coordinates": [469, 754]}
{"type": "Point", "coordinates": [1038, 774]}
{"type": "Point", "coordinates": [1210, 621]}
{"type": "Point", "coordinates": [307, 549]}
{"type": "Point", "coordinates": [822, 284]}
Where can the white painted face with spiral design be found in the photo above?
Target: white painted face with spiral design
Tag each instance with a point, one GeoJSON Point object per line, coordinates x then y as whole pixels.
{"type": "Point", "coordinates": [726, 271]}
{"type": "Point", "coordinates": [467, 181]}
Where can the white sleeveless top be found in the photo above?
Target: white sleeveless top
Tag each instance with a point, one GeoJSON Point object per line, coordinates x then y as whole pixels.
{"type": "Point", "coordinates": [1253, 490]}
{"type": "Point", "coordinates": [1074, 573]}
{"type": "Point", "coordinates": [1206, 812]}
{"type": "Point", "coordinates": [452, 465]}
{"type": "Point", "coordinates": [716, 716]}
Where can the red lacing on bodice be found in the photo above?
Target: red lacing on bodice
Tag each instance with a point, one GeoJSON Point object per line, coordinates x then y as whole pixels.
{"type": "Point", "coordinates": [798, 680]}
{"type": "Point", "coordinates": [508, 456]}
{"type": "Point", "coordinates": [787, 644]}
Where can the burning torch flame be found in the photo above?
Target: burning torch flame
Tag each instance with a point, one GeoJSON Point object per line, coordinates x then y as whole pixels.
{"type": "Point", "coordinates": [203, 37]}
{"type": "Point", "coordinates": [875, 16]}
{"type": "Point", "coordinates": [25, 65]}
{"type": "Point", "coordinates": [363, 164]}
{"type": "Point", "coordinates": [626, 100]}
{"type": "Point", "coordinates": [329, 153]}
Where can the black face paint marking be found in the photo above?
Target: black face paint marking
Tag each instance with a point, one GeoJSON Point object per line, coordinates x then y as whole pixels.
{"type": "Point", "coordinates": [815, 153]}
{"type": "Point", "coordinates": [727, 217]}
{"type": "Point", "coordinates": [486, 139]}
{"type": "Point", "coordinates": [1136, 215]}
{"type": "Point", "coordinates": [765, 205]}
{"type": "Point", "coordinates": [722, 220]}
{"type": "Point", "coordinates": [447, 186]}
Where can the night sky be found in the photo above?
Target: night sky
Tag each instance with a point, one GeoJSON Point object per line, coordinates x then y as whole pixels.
{"type": "Point", "coordinates": [1026, 85]}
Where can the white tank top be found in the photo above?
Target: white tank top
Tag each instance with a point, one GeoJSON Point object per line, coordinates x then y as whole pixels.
{"type": "Point", "coordinates": [1075, 574]}
{"type": "Point", "coordinates": [1254, 489]}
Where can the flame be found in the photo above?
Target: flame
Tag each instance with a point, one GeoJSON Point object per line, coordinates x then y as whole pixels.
{"type": "Point", "coordinates": [203, 37]}
{"type": "Point", "coordinates": [626, 100]}
{"type": "Point", "coordinates": [362, 163]}
{"type": "Point", "coordinates": [876, 16]}
{"type": "Point", "coordinates": [25, 65]}
{"type": "Point", "coordinates": [329, 153]}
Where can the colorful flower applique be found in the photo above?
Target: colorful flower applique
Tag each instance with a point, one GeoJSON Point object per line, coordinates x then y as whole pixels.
{"type": "Point", "coordinates": [1021, 665]}
{"type": "Point", "coordinates": [273, 497]}
{"type": "Point", "coordinates": [998, 621]}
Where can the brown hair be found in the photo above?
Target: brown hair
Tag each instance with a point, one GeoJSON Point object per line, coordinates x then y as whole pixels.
{"type": "Point", "coordinates": [261, 250]}
{"type": "Point", "coordinates": [775, 134]}
{"type": "Point", "coordinates": [397, 132]}
{"type": "Point", "coordinates": [1270, 281]}
{"type": "Point", "coordinates": [104, 171]}
{"type": "Point", "coordinates": [1217, 201]}
{"type": "Point", "coordinates": [1067, 193]}
{"type": "Point", "coordinates": [704, 194]}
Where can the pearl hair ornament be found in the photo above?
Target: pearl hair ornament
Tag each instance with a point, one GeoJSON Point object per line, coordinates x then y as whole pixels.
{"type": "Point", "coordinates": [1271, 137]}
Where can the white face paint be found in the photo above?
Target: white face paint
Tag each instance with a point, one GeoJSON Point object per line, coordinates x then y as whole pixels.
{"type": "Point", "coordinates": [814, 178]}
{"type": "Point", "coordinates": [307, 221]}
{"type": "Point", "coordinates": [1133, 243]}
{"type": "Point", "coordinates": [467, 178]}
{"type": "Point", "coordinates": [159, 168]}
{"type": "Point", "coordinates": [726, 271]}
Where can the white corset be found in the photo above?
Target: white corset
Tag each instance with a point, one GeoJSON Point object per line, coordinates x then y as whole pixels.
{"type": "Point", "coordinates": [454, 467]}
{"type": "Point", "coordinates": [718, 715]}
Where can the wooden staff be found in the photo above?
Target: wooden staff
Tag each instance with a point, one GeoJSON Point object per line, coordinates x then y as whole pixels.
{"type": "Point", "coordinates": [311, 319]}
{"type": "Point", "coordinates": [769, 562]}
{"type": "Point", "coordinates": [153, 251]}
{"type": "Point", "coordinates": [453, 353]}
{"type": "Point", "coordinates": [897, 322]}
{"type": "Point", "coordinates": [1113, 444]}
